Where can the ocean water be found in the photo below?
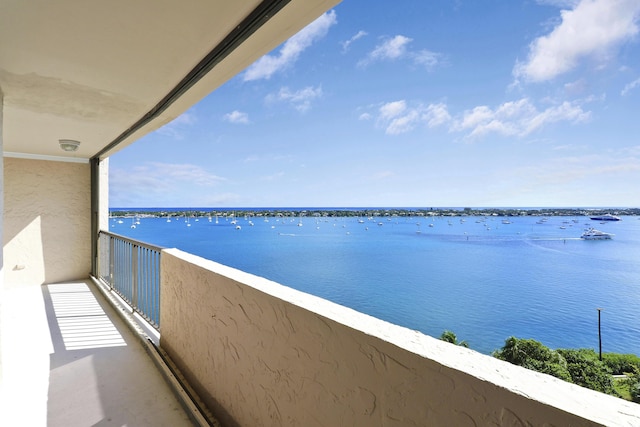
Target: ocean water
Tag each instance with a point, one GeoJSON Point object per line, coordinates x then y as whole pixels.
{"type": "Point", "coordinates": [480, 278]}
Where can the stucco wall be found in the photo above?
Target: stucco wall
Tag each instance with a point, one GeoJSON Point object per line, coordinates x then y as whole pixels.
{"type": "Point", "coordinates": [260, 353]}
{"type": "Point", "coordinates": [47, 220]}
{"type": "Point", "coordinates": [1, 234]}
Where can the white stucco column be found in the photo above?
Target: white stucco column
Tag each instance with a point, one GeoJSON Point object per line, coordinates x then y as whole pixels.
{"type": "Point", "coordinates": [103, 204]}
{"type": "Point", "coordinates": [1, 235]}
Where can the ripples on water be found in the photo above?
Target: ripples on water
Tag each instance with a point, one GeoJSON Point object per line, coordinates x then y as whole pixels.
{"type": "Point", "coordinates": [483, 280]}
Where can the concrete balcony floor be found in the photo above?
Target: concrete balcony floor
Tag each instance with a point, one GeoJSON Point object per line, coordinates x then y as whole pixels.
{"type": "Point", "coordinates": [70, 360]}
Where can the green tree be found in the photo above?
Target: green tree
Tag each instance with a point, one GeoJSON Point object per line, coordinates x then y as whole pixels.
{"type": "Point", "coordinates": [620, 364]}
{"type": "Point", "coordinates": [532, 354]}
{"type": "Point", "coordinates": [633, 383]}
{"type": "Point", "coordinates": [449, 336]}
{"type": "Point", "coordinates": [588, 371]}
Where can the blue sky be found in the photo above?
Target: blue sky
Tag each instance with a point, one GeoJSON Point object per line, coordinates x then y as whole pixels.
{"type": "Point", "coordinates": [414, 103]}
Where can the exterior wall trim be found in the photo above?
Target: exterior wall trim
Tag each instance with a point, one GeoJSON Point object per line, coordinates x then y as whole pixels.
{"type": "Point", "coordinates": [29, 156]}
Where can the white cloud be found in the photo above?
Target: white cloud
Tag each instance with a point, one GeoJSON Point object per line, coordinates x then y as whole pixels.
{"type": "Point", "coordinates": [392, 109]}
{"type": "Point", "coordinates": [564, 112]}
{"type": "Point", "coordinates": [237, 117]}
{"type": "Point", "coordinates": [398, 117]}
{"type": "Point", "coordinates": [517, 118]}
{"type": "Point", "coordinates": [473, 118]}
{"type": "Point", "coordinates": [630, 86]}
{"type": "Point", "coordinates": [576, 88]}
{"type": "Point", "coordinates": [158, 177]}
{"type": "Point", "coordinates": [427, 59]}
{"type": "Point", "coordinates": [437, 115]}
{"type": "Point", "coordinates": [268, 65]}
{"type": "Point", "coordinates": [160, 184]}
{"type": "Point", "coordinates": [633, 151]}
{"type": "Point", "coordinates": [184, 119]}
{"type": "Point", "coordinates": [397, 47]}
{"type": "Point", "coordinates": [181, 172]}
{"type": "Point", "coordinates": [592, 29]}
{"type": "Point", "coordinates": [403, 122]}
{"type": "Point", "coordinates": [300, 99]}
{"type": "Point", "coordinates": [393, 48]}
{"type": "Point", "coordinates": [514, 118]}
{"type": "Point", "coordinates": [347, 44]}
{"type": "Point", "coordinates": [175, 127]}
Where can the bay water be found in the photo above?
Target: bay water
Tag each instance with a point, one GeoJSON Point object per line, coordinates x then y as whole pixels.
{"type": "Point", "coordinates": [484, 278]}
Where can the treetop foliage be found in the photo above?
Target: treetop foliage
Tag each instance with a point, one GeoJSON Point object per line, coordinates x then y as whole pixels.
{"type": "Point", "coordinates": [578, 366]}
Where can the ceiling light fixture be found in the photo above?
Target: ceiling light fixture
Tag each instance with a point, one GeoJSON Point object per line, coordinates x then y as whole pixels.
{"type": "Point", "coordinates": [69, 144]}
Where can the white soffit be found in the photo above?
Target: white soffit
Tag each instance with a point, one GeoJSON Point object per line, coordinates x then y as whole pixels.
{"type": "Point", "coordinates": [90, 71]}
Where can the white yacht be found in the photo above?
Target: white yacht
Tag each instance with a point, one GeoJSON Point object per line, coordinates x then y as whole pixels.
{"type": "Point", "coordinates": [593, 234]}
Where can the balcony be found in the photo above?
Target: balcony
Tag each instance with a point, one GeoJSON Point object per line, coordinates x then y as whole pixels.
{"type": "Point", "coordinates": [247, 350]}
{"type": "Point", "coordinates": [259, 353]}
{"type": "Point", "coordinates": [250, 352]}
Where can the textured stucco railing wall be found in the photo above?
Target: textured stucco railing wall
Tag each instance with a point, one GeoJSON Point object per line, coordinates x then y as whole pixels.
{"type": "Point", "coordinates": [259, 353]}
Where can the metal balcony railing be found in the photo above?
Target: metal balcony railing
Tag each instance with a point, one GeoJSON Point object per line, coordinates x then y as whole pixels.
{"type": "Point", "coordinates": [132, 270]}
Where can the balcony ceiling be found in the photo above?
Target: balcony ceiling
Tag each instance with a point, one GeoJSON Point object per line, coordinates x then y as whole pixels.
{"type": "Point", "coordinates": [104, 72]}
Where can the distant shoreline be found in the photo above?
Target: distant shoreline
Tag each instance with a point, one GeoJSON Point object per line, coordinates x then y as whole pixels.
{"type": "Point", "coordinates": [367, 212]}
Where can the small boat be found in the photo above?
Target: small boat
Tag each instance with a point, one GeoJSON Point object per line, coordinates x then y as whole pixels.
{"type": "Point", "coordinates": [606, 217]}
{"type": "Point", "coordinates": [593, 234]}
